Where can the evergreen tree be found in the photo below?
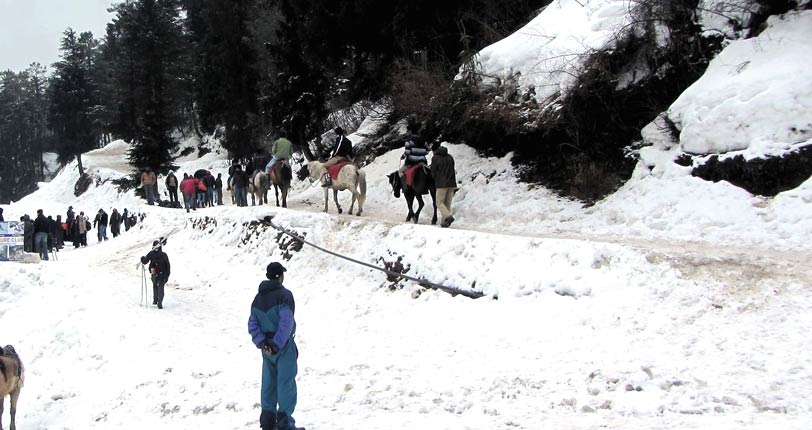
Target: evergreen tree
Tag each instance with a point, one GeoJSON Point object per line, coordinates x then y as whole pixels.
{"type": "Point", "coordinates": [72, 97]}
{"type": "Point", "coordinates": [146, 55]}
{"type": "Point", "coordinates": [23, 132]}
{"type": "Point", "coordinates": [225, 72]}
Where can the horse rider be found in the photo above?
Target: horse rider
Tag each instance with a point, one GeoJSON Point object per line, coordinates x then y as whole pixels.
{"type": "Point", "coordinates": [342, 151]}
{"type": "Point", "coordinates": [282, 149]}
{"type": "Point", "coordinates": [272, 328]}
{"type": "Point", "coordinates": [414, 152]}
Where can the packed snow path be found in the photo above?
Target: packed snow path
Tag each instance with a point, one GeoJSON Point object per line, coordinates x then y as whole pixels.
{"type": "Point", "coordinates": [584, 334]}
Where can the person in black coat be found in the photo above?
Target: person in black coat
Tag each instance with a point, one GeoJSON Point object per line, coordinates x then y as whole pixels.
{"type": "Point", "coordinates": [442, 169]}
{"type": "Point", "coordinates": [100, 222]}
{"type": "Point", "coordinates": [159, 270]}
{"type": "Point", "coordinates": [115, 222]}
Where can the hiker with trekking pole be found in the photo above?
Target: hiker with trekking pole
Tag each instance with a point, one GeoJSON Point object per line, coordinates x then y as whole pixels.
{"type": "Point", "coordinates": [159, 272]}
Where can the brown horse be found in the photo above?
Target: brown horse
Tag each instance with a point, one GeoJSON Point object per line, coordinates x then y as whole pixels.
{"type": "Point", "coordinates": [12, 376]}
{"type": "Point", "coordinates": [280, 176]}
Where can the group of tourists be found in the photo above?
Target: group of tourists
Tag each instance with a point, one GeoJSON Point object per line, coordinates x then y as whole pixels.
{"type": "Point", "coordinates": [45, 234]}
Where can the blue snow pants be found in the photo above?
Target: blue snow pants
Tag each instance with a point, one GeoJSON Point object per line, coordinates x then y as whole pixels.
{"type": "Point", "coordinates": [279, 385]}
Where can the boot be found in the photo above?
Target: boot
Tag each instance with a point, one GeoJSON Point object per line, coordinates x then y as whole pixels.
{"type": "Point", "coordinates": [267, 420]}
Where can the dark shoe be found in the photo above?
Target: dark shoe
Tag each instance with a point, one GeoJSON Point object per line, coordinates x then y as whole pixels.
{"type": "Point", "coordinates": [447, 222]}
{"type": "Point", "coordinates": [160, 306]}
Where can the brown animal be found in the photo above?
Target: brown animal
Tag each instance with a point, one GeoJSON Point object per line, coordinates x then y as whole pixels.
{"type": "Point", "coordinates": [12, 377]}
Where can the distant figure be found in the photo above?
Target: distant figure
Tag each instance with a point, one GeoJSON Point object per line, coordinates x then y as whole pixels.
{"type": "Point", "coordinates": [445, 178]}
{"type": "Point", "coordinates": [218, 189]}
{"type": "Point", "coordinates": [172, 188]}
{"type": "Point", "coordinates": [159, 271]}
{"type": "Point", "coordinates": [1, 215]}
{"type": "Point", "coordinates": [41, 227]}
{"type": "Point", "coordinates": [414, 150]}
{"type": "Point", "coordinates": [281, 150]}
{"type": "Point", "coordinates": [241, 186]}
{"type": "Point", "coordinates": [100, 222]}
{"type": "Point", "coordinates": [115, 221]}
{"type": "Point", "coordinates": [272, 328]}
{"type": "Point", "coordinates": [28, 233]}
{"type": "Point", "coordinates": [189, 189]}
{"type": "Point", "coordinates": [148, 181]}
{"type": "Point", "coordinates": [342, 151]}
{"type": "Point", "coordinates": [83, 225]}
{"type": "Point", "coordinates": [126, 218]}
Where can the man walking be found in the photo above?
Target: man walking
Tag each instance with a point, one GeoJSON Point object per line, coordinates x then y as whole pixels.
{"type": "Point", "coordinates": [442, 168]}
{"type": "Point", "coordinates": [272, 328]}
{"type": "Point", "coordinates": [172, 188]}
{"type": "Point", "coordinates": [100, 222]}
{"type": "Point", "coordinates": [41, 226]}
{"type": "Point", "coordinates": [159, 271]}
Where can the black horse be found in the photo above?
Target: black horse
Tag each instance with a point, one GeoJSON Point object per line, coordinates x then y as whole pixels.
{"type": "Point", "coordinates": [422, 183]}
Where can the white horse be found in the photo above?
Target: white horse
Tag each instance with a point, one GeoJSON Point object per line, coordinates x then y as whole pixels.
{"type": "Point", "coordinates": [349, 178]}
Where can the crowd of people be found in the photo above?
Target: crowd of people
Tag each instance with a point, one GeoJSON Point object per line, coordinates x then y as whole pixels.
{"type": "Point", "coordinates": [44, 234]}
{"type": "Point", "coordinates": [203, 189]}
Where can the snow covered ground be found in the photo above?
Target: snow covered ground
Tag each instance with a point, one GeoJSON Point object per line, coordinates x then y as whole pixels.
{"type": "Point", "coordinates": [674, 303]}
{"type": "Point", "coordinates": [658, 308]}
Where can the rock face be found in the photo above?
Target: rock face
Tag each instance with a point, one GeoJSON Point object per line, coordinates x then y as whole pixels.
{"type": "Point", "coordinates": [761, 176]}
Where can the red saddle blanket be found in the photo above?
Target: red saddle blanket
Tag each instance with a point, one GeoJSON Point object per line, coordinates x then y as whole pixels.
{"type": "Point", "coordinates": [410, 173]}
{"type": "Point", "coordinates": [334, 169]}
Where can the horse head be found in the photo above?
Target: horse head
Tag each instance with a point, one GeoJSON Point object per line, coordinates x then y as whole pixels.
{"type": "Point", "coordinates": [394, 181]}
{"type": "Point", "coordinates": [303, 173]}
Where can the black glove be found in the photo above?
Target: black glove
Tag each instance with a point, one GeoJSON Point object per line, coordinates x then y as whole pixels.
{"type": "Point", "coordinates": [269, 347]}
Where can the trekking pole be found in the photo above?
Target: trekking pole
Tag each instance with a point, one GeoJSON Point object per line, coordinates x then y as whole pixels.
{"type": "Point", "coordinates": [143, 301]}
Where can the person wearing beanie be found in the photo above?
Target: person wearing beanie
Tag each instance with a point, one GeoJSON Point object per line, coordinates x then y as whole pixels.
{"type": "Point", "coordinates": [272, 327]}
{"type": "Point", "coordinates": [159, 271]}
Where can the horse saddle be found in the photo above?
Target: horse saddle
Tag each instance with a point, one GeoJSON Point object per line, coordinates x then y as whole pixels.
{"type": "Point", "coordinates": [276, 171]}
{"type": "Point", "coordinates": [334, 169]}
{"type": "Point", "coordinates": [8, 351]}
{"type": "Point", "coordinates": [410, 173]}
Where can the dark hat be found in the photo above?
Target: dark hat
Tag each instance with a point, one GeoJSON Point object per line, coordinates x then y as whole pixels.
{"type": "Point", "coordinates": [155, 242]}
{"type": "Point", "coordinates": [70, 207]}
{"type": "Point", "coordinates": [339, 130]}
{"type": "Point", "coordinates": [274, 270]}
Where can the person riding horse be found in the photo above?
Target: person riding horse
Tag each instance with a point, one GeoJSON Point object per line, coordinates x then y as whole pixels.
{"type": "Point", "coordinates": [280, 151]}
{"type": "Point", "coordinates": [414, 153]}
{"type": "Point", "coordinates": [342, 151]}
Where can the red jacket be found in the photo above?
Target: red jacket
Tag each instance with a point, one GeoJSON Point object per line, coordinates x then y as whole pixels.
{"type": "Point", "coordinates": [189, 186]}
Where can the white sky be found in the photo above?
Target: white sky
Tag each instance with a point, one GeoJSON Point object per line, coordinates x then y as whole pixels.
{"type": "Point", "coordinates": [30, 30]}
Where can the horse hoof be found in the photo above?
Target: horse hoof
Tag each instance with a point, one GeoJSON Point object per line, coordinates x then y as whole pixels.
{"type": "Point", "coordinates": [339, 211]}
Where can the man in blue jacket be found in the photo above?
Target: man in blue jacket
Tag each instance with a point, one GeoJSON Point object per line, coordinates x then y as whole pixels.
{"type": "Point", "coordinates": [272, 329]}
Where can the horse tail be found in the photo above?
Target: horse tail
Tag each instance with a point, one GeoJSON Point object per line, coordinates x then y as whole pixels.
{"type": "Point", "coordinates": [362, 184]}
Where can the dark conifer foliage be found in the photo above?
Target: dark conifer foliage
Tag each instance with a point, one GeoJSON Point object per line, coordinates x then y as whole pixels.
{"type": "Point", "coordinates": [146, 78]}
{"type": "Point", "coordinates": [23, 131]}
{"type": "Point", "coordinates": [226, 79]}
{"type": "Point", "coordinates": [73, 97]}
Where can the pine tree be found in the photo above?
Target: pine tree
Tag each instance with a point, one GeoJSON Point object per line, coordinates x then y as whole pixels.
{"type": "Point", "coordinates": [72, 97]}
{"type": "Point", "coordinates": [146, 55]}
{"type": "Point", "coordinates": [226, 72]}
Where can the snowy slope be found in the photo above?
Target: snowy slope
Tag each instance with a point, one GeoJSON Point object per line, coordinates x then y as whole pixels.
{"type": "Point", "coordinates": [624, 315]}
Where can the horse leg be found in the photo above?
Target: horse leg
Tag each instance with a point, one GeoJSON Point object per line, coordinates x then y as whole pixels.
{"type": "Point", "coordinates": [326, 199]}
{"type": "Point", "coordinates": [2, 406]}
{"type": "Point", "coordinates": [285, 196]}
{"type": "Point", "coordinates": [276, 193]}
{"type": "Point", "coordinates": [420, 205]}
{"type": "Point", "coordinates": [335, 197]}
{"type": "Point", "coordinates": [15, 394]}
{"type": "Point", "coordinates": [409, 204]}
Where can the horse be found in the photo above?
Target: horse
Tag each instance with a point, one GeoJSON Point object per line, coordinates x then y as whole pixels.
{"type": "Point", "coordinates": [260, 187]}
{"type": "Point", "coordinates": [349, 178]}
{"type": "Point", "coordinates": [12, 377]}
{"type": "Point", "coordinates": [422, 183]}
{"type": "Point", "coordinates": [281, 175]}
